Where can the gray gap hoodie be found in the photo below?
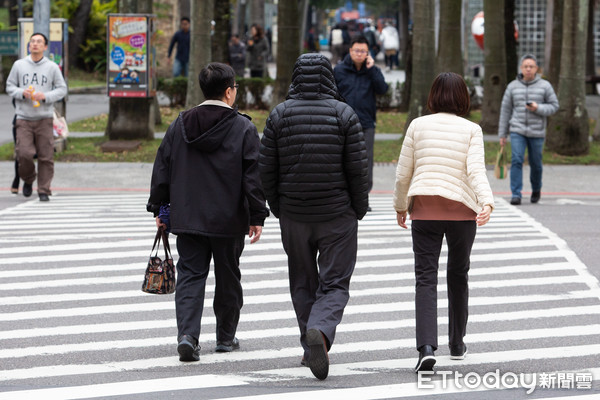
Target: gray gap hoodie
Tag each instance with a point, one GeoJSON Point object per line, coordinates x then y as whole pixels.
{"type": "Point", "coordinates": [44, 76]}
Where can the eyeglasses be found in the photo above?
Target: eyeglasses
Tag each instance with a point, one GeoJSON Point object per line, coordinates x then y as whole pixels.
{"type": "Point", "coordinates": [235, 86]}
{"type": "Point", "coordinates": [359, 51]}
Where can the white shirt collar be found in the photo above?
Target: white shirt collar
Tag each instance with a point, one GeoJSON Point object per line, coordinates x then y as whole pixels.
{"type": "Point", "coordinates": [215, 103]}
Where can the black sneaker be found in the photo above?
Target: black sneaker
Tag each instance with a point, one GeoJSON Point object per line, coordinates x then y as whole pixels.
{"type": "Point", "coordinates": [426, 359]}
{"type": "Point", "coordinates": [188, 349]}
{"type": "Point", "coordinates": [44, 197]}
{"type": "Point", "coordinates": [319, 360]}
{"type": "Point", "coordinates": [535, 197]}
{"type": "Point", "coordinates": [458, 352]}
{"type": "Point", "coordinates": [515, 201]}
{"type": "Point", "coordinates": [27, 189]}
{"type": "Point", "coordinates": [227, 346]}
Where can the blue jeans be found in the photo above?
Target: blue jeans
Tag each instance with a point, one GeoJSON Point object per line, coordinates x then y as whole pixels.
{"type": "Point", "coordinates": [180, 68]}
{"type": "Point", "coordinates": [534, 148]}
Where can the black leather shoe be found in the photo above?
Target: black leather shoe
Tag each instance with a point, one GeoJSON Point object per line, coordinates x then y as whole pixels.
{"type": "Point", "coordinates": [319, 360]}
{"type": "Point", "coordinates": [27, 189]}
{"type": "Point", "coordinates": [458, 352]}
{"type": "Point", "coordinates": [188, 349]}
{"type": "Point", "coordinates": [426, 359]}
{"type": "Point", "coordinates": [515, 201]}
{"type": "Point", "coordinates": [44, 197]}
{"type": "Point", "coordinates": [227, 346]}
{"type": "Point", "coordinates": [535, 197]}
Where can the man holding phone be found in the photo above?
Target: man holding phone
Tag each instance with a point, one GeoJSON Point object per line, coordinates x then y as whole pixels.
{"type": "Point", "coordinates": [358, 80]}
{"type": "Point", "coordinates": [527, 102]}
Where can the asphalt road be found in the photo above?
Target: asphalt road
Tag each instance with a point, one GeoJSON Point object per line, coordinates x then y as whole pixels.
{"type": "Point", "coordinates": [74, 324]}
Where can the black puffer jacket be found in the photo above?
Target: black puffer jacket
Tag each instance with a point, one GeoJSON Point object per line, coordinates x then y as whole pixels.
{"type": "Point", "coordinates": [313, 160]}
{"type": "Point", "coordinates": [207, 169]}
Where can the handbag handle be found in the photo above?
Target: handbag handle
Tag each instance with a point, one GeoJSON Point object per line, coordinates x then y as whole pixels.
{"type": "Point", "coordinates": [161, 234]}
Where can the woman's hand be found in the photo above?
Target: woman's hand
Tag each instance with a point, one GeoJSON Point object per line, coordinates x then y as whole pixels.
{"type": "Point", "coordinates": [401, 217]}
{"type": "Point", "coordinates": [484, 216]}
{"type": "Point", "coordinates": [160, 225]}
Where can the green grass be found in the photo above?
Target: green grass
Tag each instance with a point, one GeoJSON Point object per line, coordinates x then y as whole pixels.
{"type": "Point", "coordinates": [79, 78]}
{"type": "Point", "coordinates": [88, 149]}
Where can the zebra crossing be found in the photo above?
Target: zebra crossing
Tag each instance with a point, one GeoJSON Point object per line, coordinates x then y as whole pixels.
{"type": "Point", "coordinates": [74, 323]}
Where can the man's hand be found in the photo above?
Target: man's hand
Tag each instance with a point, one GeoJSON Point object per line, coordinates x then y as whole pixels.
{"type": "Point", "coordinates": [160, 225]}
{"type": "Point", "coordinates": [370, 61]}
{"type": "Point", "coordinates": [254, 233]}
{"type": "Point", "coordinates": [502, 141]}
{"type": "Point", "coordinates": [39, 96]}
{"type": "Point", "coordinates": [401, 217]}
{"type": "Point", "coordinates": [532, 106]}
{"type": "Point", "coordinates": [27, 93]}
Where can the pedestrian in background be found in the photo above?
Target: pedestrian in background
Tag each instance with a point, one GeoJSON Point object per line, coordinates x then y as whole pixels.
{"type": "Point", "coordinates": [35, 83]}
{"type": "Point", "coordinates": [182, 39]}
{"type": "Point", "coordinates": [206, 168]}
{"type": "Point", "coordinates": [14, 187]}
{"type": "Point", "coordinates": [313, 166]}
{"type": "Point", "coordinates": [359, 80]}
{"type": "Point", "coordinates": [391, 44]}
{"type": "Point", "coordinates": [258, 51]}
{"type": "Point", "coordinates": [441, 182]}
{"type": "Point", "coordinates": [237, 55]}
{"type": "Point", "coordinates": [526, 105]}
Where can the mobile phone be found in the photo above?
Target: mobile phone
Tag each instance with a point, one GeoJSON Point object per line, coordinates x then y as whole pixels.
{"type": "Point", "coordinates": [529, 103]}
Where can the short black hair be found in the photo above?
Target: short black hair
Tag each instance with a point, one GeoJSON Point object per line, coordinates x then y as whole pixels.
{"type": "Point", "coordinates": [214, 80]}
{"type": "Point", "coordinates": [359, 39]}
{"type": "Point", "coordinates": [42, 35]}
{"type": "Point", "coordinates": [184, 19]}
{"type": "Point", "coordinates": [449, 94]}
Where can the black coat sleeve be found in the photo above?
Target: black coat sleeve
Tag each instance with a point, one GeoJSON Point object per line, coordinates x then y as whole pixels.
{"type": "Point", "coordinates": [356, 163]}
{"type": "Point", "coordinates": [269, 163]}
{"type": "Point", "coordinates": [161, 173]}
{"type": "Point", "coordinates": [251, 179]}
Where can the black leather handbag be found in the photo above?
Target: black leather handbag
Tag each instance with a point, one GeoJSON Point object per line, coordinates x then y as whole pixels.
{"type": "Point", "coordinates": [160, 274]}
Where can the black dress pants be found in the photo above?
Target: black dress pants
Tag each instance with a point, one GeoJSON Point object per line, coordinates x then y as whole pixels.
{"type": "Point", "coordinates": [195, 253]}
{"type": "Point", "coordinates": [319, 285]}
{"type": "Point", "coordinates": [427, 244]}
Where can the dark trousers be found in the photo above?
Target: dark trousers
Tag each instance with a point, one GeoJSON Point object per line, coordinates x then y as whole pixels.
{"type": "Point", "coordinates": [195, 252]}
{"type": "Point", "coordinates": [319, 285]}
{"type": "Point", "coordinates": [427, 243]}
{"type": "Point", "coordinates": [370, 142]}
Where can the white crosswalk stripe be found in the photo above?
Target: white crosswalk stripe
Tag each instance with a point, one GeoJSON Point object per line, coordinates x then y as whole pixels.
{"type": "Point", "coordinates": [74, 323]}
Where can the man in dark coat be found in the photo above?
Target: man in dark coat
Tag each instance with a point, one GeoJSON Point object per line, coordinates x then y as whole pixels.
{"type": "Point", "coordinates": [313, 166]}
{"type": "Point", "coordinates": [359, 80]}
{"type": "Point", "coordinates": [182, 39]}
{"type": "Point", "coordinates": [206, 168]}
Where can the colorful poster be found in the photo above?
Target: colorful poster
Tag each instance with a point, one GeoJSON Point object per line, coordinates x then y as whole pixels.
{"type": "Point", "coordinates": [127, 56]}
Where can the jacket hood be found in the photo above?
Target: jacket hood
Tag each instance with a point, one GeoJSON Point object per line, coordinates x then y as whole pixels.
{"type": "Point", "coordinates": [535, 80]}
{"type": "Point", "coordinates": [313, 79]}
{"type": "Point", "coordinates": [204, 127]}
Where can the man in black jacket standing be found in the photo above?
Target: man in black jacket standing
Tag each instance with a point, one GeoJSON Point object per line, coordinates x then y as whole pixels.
{"type": "Point", "coordinates": [359, 80]}
{"type": "Point", "coordinates": [313, 165]}
{"type": "Point", "coordinates": [206, 168]}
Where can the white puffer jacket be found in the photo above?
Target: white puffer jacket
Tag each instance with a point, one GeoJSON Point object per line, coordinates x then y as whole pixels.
{"type": "Point", "coordinates": [443, 155]}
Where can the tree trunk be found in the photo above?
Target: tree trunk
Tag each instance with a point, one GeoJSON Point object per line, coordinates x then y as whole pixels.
{"type": "Point", "coordinates": [132, 118]}
{"type": "Point", "coordinates": [257, 12]}
{"type": "Point", "coordinates": [449, 56]}
{"type": "Point", "coordinates": [220, 38]}
{"type": "Point", "coordinates": [494, 80]}
{"type": "Point", "coordinates": [288, 17]}
{"type": "Point", "coordinates": [200, 49]}
{"type": "Point", "coordinates": [553, 69]}
{"type": "Point", "coordinates": [423, 58]}
{"type": "Point", "coordinates": [568, 131]}
{"type": "Point", "coordinates": [590, 60]}
{"type": "Point", "coordinates": [78, 23]}
{"type": "Point", "coordinates": [512, 60]}
{"type": "Point", "coordinates": [405, 95]}
{"type": "Point", "coordinates": [405, 38]}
